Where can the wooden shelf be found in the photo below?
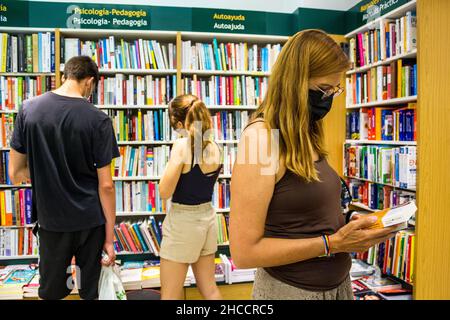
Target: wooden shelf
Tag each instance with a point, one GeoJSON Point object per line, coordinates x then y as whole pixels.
{"type": "Point", "coordinates": [383, 102]}
{"type": "Point", "coordinates": [383, 142]}
{"type": "Point", "coordinates": [408, 55]}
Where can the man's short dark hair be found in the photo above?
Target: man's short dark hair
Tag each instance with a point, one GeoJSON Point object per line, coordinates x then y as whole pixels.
{"type": "Point", "coordinates": [81, 67]}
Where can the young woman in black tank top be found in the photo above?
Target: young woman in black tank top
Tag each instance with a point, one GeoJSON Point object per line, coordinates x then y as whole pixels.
{"type": "Point", "coordinates": [285, 215]}
{"type": "Point", "coordinates": [189, 229]}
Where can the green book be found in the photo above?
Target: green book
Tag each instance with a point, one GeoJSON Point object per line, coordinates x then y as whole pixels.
{"type": "Point", "coordinates": [29, 53]}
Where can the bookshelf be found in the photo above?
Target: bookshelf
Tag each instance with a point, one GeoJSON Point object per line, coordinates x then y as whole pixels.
{"type": "Point", "coordinates": [384, 53]}
{"type": "Point", "coordinates": [163, 37]}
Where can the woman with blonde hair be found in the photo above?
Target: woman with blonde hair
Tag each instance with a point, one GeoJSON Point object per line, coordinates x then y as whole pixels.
{"type": "Point", "coordinates": [189, 229]}
{"type": "Point", "coordinates": [286, 217]}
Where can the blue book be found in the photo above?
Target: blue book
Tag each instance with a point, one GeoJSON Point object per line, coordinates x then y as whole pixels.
{"type": "Point", "coordinates": [41, 51]}
{"type": "Point", "coordinates": [217, 55]}
{"type": "Point", "coordinates": [28, 206]}
{"type": "Point", "coordinates": [387, 125]}
{"type": "Point", "coordinates": [156, 125]}
{"type": "Point", "coordinates": [105, 53]}
{"type": "Point", "coordinates": [130, 164]}
{"type": "Point", "coordinates": [415, 79]}
{"type": "Point", "coordinates": [161, 124]}
{"type": "Point", "coordinates": [20, 277]}
{"type": "Point", "coordinates": [6, 162]}
{"type": "Point", "coordinates": [409, 125]}
{"type": "Point", "coordinates": [52, 54]}
{"type": "Point", "coordinates": [224, 125]}
{"type": "Point", "coordinates": [137, 230]}
{"type": "Point", "coordinates": [117, 242]}
{"type": "Point", "coordinates": [388, 45]}
{"type": "Point", "coordinates": [155, 229]}
{"type": "Point", "coordinates": [401, 125]}
{"type": "Point", "coordinates": [373, 196]}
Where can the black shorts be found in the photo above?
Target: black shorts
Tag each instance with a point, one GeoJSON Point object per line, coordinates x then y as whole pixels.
{"type": "Point", "coordinates": [56, 250]}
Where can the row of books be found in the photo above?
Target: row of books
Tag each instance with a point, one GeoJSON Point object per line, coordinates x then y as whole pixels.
{"type": "Point", "coordinates": [135, 90]}
{"type": "Point", "coordinates": [228, 125]}
{"type": "Point", "coordinates": [138, 196]}
{"type": "Point", "coordinates": [7, 129]}
{"type": "Point", "coordinates": [397, 80]}
{"type": "Point", "coordinates": [113, 54]}
{"type": "Point", "coordinates": [393, 37]}
{"type": "Point", "coordinates": [15, 90]}
{"type": "Point", "coordinates": [141, 161]}
{"type": "Point", "coordinates": [15, 207]}
{"type": "Point", "coordinates": [17, 242]}
{"type": "Point", "coordinates": [229, 56]}
{"type": "Point", "coordinates": [138, 237]}
{"type": "Point", "coordinates": [381, 164]}
{"type": "Point", "coordinates": [217, 90]}
{"type": "Point", "coordinates": [395, 256]}
{"type": "Point", "coordinates": [138, 125]}
{"type": "Point", "coordinates": [27, 52]}
{"type": "Point", "coordinates": [387, 124]}
{"type": "Point", "coordinates": [377, 196]}
{"type": "Point", "coordinates": [221, 194]}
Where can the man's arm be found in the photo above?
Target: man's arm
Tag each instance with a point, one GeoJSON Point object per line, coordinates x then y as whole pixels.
{"type": "Point", "coordinates": [18, 167]}
{"type": "Point", "coordinates": [107, 195]}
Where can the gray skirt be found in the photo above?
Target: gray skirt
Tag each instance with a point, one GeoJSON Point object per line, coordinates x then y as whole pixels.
{"type": "Point", "coordinates": [267, 287]}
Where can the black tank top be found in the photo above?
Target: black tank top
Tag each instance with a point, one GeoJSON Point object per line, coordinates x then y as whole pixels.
{"type": "Point", "coordinates": [195, 187]}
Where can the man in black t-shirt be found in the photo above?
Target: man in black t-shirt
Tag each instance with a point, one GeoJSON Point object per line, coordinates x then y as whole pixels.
{"type": "Point", "coordinates": [65, 145]}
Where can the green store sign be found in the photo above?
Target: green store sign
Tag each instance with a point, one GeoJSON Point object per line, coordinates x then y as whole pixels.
{"type": "Point", "coordinates": [40, 14]}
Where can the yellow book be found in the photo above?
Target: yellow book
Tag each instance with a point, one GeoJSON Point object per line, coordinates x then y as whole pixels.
{"type": "Point", "coordinates": [224, 64]}
{"type": "Point", "coordinates": [4, 46]}
{"type": "Point", "coordinates": [35, 41]}
{"type": "Point", "coordinates": [398, 216]}
{"type": "Point", "coordinates": [399, 77]}
{"type": "Point", "coordinates": [139, 124]}
{"type": "Point", "coordinates": [411, 271]}
{"type": "Point", "coordinates": [2, 208]}
{"type": "Point", "coordinates": [153, 59]}
{"type": "Point", "coordinates": [124, 60]}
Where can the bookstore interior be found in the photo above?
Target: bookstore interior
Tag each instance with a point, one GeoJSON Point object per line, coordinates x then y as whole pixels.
{"type": "Point", "coordinates": [386, 135]}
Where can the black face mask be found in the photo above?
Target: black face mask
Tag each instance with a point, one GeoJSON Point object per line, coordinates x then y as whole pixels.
{"type": "Point", "coordinates": [319, 107]}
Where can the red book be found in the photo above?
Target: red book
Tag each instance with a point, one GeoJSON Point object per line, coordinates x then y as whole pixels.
{"type": "Point", "coordinates": [8, 101]}
{"type": "Point", "coordinates": [102, 90]}
{"type": "Point", "coordinates": [151, 196]}
{"type": "Point", "coordinates": [128, 237]}
{"type": "Point", "coordinates": [124, 92]}
{"type": "Point", "coordinates": [22, 206]}
{"type": "Point", "coordinates": [408, 260]}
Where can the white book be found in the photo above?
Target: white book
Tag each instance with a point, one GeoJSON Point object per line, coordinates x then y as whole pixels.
{"type": "Point", "coordinates": [14, 55]}
{"type": "Point", "coordinates": [164, 56]}
{"type": "Point", "coordinates": [112, 56]}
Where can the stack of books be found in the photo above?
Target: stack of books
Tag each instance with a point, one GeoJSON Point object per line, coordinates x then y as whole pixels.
{"type": "Point", "coordinates": [27, 52]}
{"type": "Point", "coordinates": [138, 237]}
{"type": "Point", "coordinates": [394, 37]}
{"type": "Point", "coordinates": [14, 279]}
{"type": "Point", "coordinates": [138, 196]}
{"type": "Point", "coordinates": [141, 161]}
{"type": "Point", "coordinates": [376, 196]}
{"type": "Point", "coordinates": [235, 275]}
{"type": "Point", "coordinates": [15, 90]}
{"type": "Point", "coordinates": [386, 124]}
{"type": "Point", "coordinates": [221, 194]}
{"type": "Point", "coordinates": [381, 164]}
{"type": "Point", "coordinates": [233, 90]}
{"type": "Point", "coordinates": [134, 90]}
{"type": "Point", "coordinates": [17, 242]}
{"type": "Point", "coordinates": [228, 125]}
{"type": "Point", "coordinates": [113, 54]}
{"type": "Point", "coordinates": [397, 80]}
{"type": "Point", "coordinates": [229, 56]}
{"type": "Point", "coordinates": [15, 207]}
{"type": "Point", "coordinates": [137, 125]}
{"type": "Point", "coordinates": [222, 229]}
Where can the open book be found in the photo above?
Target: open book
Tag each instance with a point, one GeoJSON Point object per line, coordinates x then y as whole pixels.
{"type": "Point", "coordinates": [394, 216]}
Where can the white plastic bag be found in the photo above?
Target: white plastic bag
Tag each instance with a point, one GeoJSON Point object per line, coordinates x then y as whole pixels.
{"type": "Point", "coordinates": [110, 286]}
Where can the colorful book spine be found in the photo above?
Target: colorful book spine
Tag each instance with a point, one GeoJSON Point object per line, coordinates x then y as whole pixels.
{"type": "Point", "coordinates": [138, 196]}
{"type": "Point", "coordinates": [17, 242]}
{"type": "Point", "coordinates": [228, 125]}
{"type": "Point", "coordinates": [140, 161]}
{"type": "Point", "coordinates": [221, 194]}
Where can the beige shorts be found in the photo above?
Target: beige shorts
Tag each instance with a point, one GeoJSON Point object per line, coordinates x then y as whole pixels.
{"type": "Point", "coordinates": [189, 232]}
{"type": "Point", "coordinates": [267, 287]}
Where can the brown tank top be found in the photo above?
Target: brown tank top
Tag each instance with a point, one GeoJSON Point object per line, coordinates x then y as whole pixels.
{"type": "Point", "coordinates": [300, 210]}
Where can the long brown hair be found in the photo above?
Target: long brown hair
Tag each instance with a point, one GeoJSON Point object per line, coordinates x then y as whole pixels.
{"type": "Point", "coordinates": [307, 54]}
{"type": "Point", "coordinates": [192, 112]}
